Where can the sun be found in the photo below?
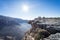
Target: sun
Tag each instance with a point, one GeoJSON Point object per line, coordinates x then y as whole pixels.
{"type": "Point", "coordinates": [25, 8]}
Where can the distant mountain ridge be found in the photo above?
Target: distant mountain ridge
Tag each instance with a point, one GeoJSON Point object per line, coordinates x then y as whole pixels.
{"type": "Point", "coordinates": [12, 26]}
{"type": "Point", "coordinates": [11, 18]}
{"type": "Point", "coordinates": [8, 21]}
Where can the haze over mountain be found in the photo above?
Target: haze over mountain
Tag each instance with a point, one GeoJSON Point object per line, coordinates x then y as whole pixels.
{"type": "Point", "coordinates": [13, 27]}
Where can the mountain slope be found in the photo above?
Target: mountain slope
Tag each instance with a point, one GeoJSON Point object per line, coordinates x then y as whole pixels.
{"type": "Point", "coordinates": [13, 27]}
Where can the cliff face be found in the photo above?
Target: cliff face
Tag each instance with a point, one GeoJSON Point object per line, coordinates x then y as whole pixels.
{"type": "Point", "coordinates": [36, 34]}
{"type": "Point", "coordinates": [42, 28]}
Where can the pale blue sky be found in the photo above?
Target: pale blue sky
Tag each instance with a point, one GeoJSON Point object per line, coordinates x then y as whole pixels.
{"type": "Point", "coordinates": [13, 8]}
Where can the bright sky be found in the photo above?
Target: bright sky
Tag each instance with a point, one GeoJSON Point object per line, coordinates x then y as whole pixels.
{"type": "Point", "coordinates": [30, 9]}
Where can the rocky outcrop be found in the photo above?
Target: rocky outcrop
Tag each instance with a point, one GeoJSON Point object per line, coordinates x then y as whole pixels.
{"type": "Point", "coordinates": [42, 28]}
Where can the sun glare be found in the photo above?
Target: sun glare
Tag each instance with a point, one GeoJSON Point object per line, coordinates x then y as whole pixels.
{"type": "Point", "coordinates": [25, 8]}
